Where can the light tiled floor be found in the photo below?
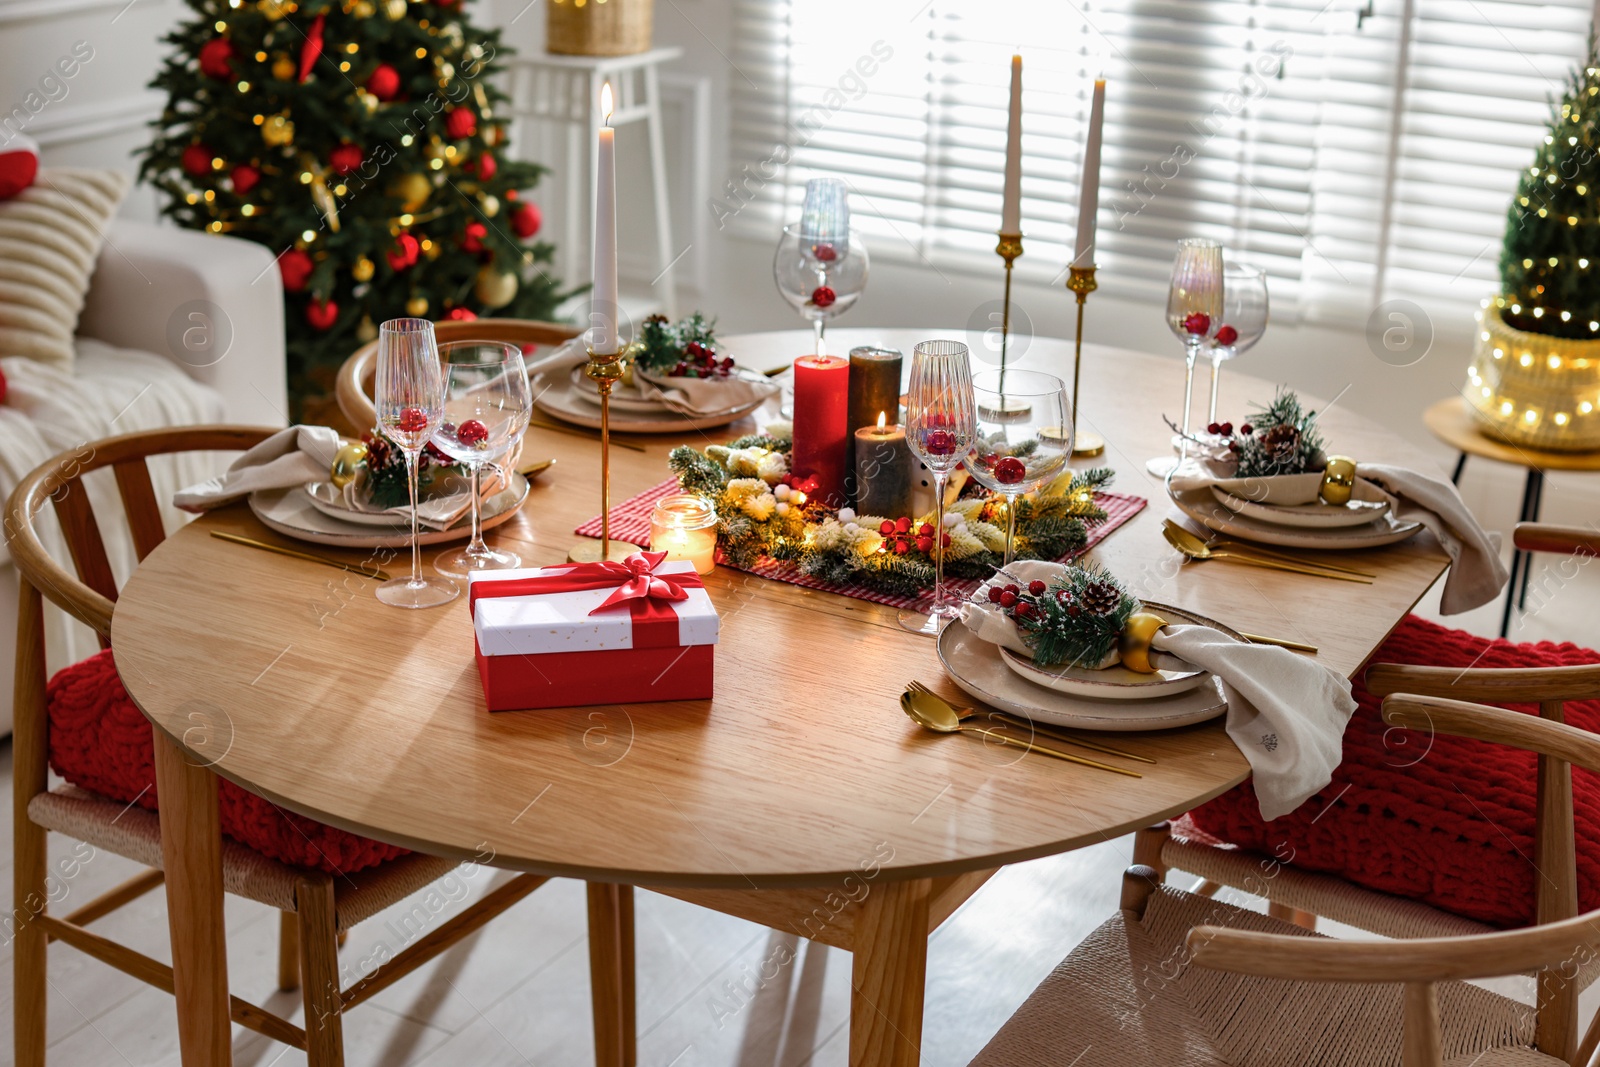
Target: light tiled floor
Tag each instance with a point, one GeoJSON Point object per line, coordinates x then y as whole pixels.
{"type": "Point", "coordinates": [517, 993]}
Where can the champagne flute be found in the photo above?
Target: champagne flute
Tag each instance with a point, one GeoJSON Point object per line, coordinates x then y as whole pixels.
{"type": "Point", "coordinates": [410, 399]}
{"type": "Point", "coordinates": [1244, 320]}
{"type": "Point", "coordinates": [1024, 436]}
{"type": "Point", "coordinates": [1194, 312]}
{"type": "Point", "coordinates": [941, 424]}
{"type": "Point", "coordinates": [486, 409]}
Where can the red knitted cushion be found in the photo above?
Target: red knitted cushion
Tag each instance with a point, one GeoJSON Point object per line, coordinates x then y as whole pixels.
{"type": "Point", "coordinates": [101, 742]}
{"type": "Point", "coordinates": [1440, 819]}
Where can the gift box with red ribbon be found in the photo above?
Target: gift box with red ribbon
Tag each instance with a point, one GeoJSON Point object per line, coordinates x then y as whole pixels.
{"type": "Point", "coordinates": [593, 633]}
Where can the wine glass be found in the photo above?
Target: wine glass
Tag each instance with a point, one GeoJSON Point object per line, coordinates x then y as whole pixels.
{"type": "Point", "coordinates": [1019, 446]}
{"type": "Point", "coordinates": [1244, 320]}
{"type": "Point", "coordinates": [410, 399]}
{"type": "Point", "coordinates": [486, 408]}
{"type": "Point", "coordinates": [822, 277]}
{"type": "Point", "coordinates": [941, 423]}
{"type": "Point", "coordinates": [1194, 312]}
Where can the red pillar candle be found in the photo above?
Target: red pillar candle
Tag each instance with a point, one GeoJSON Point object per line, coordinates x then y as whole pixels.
{"type": "Point", "coordinates": [821, 427]}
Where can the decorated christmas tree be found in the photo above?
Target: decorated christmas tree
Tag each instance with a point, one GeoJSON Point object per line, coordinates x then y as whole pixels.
{"type": "Point", "coordinates": [1550, 265]}
{"type": "Point", "coordinates": [364, 142]}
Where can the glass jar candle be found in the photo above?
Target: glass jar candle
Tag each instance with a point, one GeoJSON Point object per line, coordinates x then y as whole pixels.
{"type": "Point", "coordinates": [684, 526]}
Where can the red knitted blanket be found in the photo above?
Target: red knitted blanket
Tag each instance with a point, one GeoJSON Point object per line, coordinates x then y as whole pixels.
{"type": "Point", "coordinates": [1444, 820]}
{"type": "Point", "coordinates": [100, 742]}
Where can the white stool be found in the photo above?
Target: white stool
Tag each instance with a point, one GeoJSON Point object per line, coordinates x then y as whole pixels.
{"type": "Point", "coordinates": [563, 93]}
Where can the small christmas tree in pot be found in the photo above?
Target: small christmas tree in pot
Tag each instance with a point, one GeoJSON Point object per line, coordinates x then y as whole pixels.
{"type": "Point", "coordinates": [1535, 373]}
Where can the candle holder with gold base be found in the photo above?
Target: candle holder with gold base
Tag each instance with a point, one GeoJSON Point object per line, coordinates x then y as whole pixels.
{"type": "Point", "coordinates": [1080, 282]}
{"type": "Point", "coordinates": [605, 370]}
{"type": "Point", "coordinates": [1009, 248]}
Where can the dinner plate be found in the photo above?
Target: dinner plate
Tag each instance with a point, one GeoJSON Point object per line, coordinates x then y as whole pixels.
{"type": "Point", "coordinates": [555, 395]}
{"type": "Point", "coordinates": [329, 499]}
{"type": "Point", "coordinates": [1202, 507]}
{"type": "Point", "coordinates": [1367, 504]}
{"type": "Point", "coordinates": [1105, 683]}
{"type": "Point", "coordinates": [292, 513]}
{"type": "Point", "coordinates": [978, 669]}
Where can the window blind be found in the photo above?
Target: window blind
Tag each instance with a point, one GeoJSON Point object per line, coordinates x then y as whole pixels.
{"type": "Point", "coordinates": [1357, 150]}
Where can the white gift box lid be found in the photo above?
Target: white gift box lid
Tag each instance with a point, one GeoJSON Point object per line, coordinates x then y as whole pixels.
{"type": "Point", "coordinates": [544, 623]}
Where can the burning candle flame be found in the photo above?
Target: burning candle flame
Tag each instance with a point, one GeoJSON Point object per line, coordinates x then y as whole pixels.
{"type": "Point", "coordinates": [605, 101]}
{"type": "Point", "coordinates": [883, 419]}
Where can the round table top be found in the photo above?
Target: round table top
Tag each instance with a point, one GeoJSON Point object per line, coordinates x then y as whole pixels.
{"type": "Point", "coordinates": [295, 682]}
{"type": "Point", "coordinates": [1451, 420]}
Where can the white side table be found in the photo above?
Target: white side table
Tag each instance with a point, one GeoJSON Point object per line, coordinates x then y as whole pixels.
{"type": "Point", "coordinates": [564, 92]}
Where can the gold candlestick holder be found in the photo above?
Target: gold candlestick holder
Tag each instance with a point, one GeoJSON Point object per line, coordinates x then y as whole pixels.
{"type": "Point", "coordinates": [605, 370]}
{"type": "Point", "coordinates": [1009, 248]}
{"type": "Point", "coordinates": [1080, 282]}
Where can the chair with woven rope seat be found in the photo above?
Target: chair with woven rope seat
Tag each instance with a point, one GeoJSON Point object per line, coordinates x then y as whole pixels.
{"type": "Point", "coordinates": [319, 901]}
{"type": "Point", "coordinates": [1183, 980]}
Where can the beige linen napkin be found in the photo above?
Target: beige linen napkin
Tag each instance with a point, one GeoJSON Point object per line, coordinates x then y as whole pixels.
{"type": "Point", "coordinates": [437, 512]}
{"type": "Point", "coordinates": [686, 396]}
{"type": "Point", "coordinates": [1286, 712]}
{"type": "Point", "coordinates": [294, 456]}
{"type": "Point", "coordinates": [1476, 573]}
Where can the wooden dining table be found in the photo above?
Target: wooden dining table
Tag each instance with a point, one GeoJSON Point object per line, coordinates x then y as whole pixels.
{"type": "Point", "coordinates": [799, 797]}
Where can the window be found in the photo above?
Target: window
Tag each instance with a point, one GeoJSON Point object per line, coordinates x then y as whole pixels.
{"type": "Point", "coordinates": [1357, 149]}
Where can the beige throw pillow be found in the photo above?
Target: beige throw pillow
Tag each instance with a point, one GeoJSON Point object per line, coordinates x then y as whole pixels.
{"type": "Point", "coordinates": [50, 238]}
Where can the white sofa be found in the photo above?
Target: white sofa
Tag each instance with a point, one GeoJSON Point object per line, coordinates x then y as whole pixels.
{"type": "Point", "coordinates": [143, 363]}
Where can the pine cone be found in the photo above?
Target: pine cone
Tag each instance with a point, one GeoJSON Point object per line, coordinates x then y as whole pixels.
{"type": "Point", "coordinates": [1099, 598]}
{"type": "Point", "coordinates": [1281, 444]}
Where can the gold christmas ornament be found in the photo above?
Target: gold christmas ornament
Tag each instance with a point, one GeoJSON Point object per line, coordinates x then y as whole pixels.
{"type": "Point", "coordinates": [367, 330]}
{"type": "Point", "coordinates": [494, 289]}
{"type": "Point", "coordinates": [394, 9]}
{"type": "Point", "coordinates": [413, 190]}
{"type": "Point", "coordinates": [417, 306]}
{"type": "Point", "coordinates": [362, 9]}
{"type": "Point", "coordinates": [361, 270]}
{"type": "Point", "coordinates": [283, 69]}
{"type": "Point", "coordinates": [277, 131]}
{"type": "Point", "coordinates": [275, 9]}
{"type": "Point", "coordinates": [490, 204]}
{"type": "Point", "coordinates": [325, 202]}
{"type": "Point", "coordinates": [346, 465]}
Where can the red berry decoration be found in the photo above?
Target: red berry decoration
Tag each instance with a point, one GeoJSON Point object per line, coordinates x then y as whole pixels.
{"type": "Point", "coordinates": [823, 297]}
{"type": "Point", "coordinates": [384, 82]}
{"type": "Point", "coordinates": [924, 544]}
{"type": "Point", "coordinates": [1008, 599]}
{"type": "Point", "coordinates": [413, 420]}
{"type": "Point", "coordinates": [994, 594]}
{"type": "Point", "coordinates": [939, 443]}
{"type": "Point", "coordinates": [825, 253]}
{"type": "Point", "coordinates": [245, 178]}
{"type": "Point", "coordinates": [1197, 323]}
{"type": "Point", "coordinates": [1014, 588]}
{"type": "Point", "coordinates": [460, 123]}
{"type": "Point", "coordinates": [1226, 334]}
{"type": "Point", "coordinates": [886, 527]}
{"type": "Point", "coordinates": [460, 314]}
{"type": "Point", "coordinates": [404, 252]}
{"type": "Point", "coordinates": [196, 160]}
{"type": "Point", "coordinates": [1036, 587]}
{"type": "Point", "coordinates": [1213, 427]}
{"type": "Point", "coordinates": [526, 220]}
{"type": "Point", "coordinates": [472, 237]}
{"type": "Point", "coordinates": [322, 314]}
{"type": "Point", "coordinates": [1226, 429]}
{"type": "Point", "coordinates": [1247, 429]}
{"type": "Point", "coordinates": [472, 432]}
{"type": "Point", "coordinates": [216, 58]}
{"type": "Point", "coordinates": [295, 268]}
{"type": "Point", "coordinates": [925, 530]}
{"type": "Point", "coordinates": [1009, 470]}
{"type": "Point", "coordinates": [901, 548]}
{"type": "Point", "coordinates": [345, 158]}
{"type": "Point", "coordinates": [1027, 611]}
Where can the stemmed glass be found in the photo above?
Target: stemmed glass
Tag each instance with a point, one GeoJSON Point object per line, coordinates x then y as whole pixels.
{"type": "Point", "coordinates": [822, 277]}
{"type": "Point", "coordinates": [486, 409]}
{"type": "Point", "coordinates": [1019, 446]}
{"type": "Point", "coordinates": [410, 399]}
{"type": "Point", "coordinates": [1194, 312]}
{"type": "Point", "coordinates": [1244, 320]}
{"type": "Point", "coordinates": [941, 424]}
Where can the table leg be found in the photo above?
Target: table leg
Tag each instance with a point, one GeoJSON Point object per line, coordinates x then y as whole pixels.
{"type": "Point", "coordinates": [1461, 465]}
{"type": "Point", "coordinates": [611, 974]}
{"type": "Point", "coordinates": [889, 975]}
{"type": "Point", "coordinates": [191, 852]}
{"type": "Point", "coordinates": [1536, 485]}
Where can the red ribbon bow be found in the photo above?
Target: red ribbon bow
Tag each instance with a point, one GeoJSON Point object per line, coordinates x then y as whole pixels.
{"type": "Point", "coordinates": [647, 594]}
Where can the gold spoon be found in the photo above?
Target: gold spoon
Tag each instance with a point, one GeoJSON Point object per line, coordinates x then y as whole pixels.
{"type": "Point", "coordinates": [1223, 542]}
{"type": "Point", "coordinates": [534, 468]}
{"type": "Point", "coordinates": [1194, 548]}
{"type": "Point", "coordinates": [1045, 729]}
{"type": "Point", "coordinates": [934, 714]}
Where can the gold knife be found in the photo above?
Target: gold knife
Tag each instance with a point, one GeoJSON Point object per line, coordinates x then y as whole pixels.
{"type": "Point", "coordinates": [327, 561]}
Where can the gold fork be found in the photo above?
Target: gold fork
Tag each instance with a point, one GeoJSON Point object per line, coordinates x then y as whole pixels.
{"type": "Point", "coordinates": [1223, 542]}
{"type": "Point", "coordinates": [1046, 729]}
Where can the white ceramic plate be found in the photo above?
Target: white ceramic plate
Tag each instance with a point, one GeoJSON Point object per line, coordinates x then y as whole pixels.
{"type": "Point", "coordinates": [977, 667]}
{"type": "Point", "coordinates": [555, 395]}
{"type": "Point", "coordinates": [330, 501]}
{"type": "Point", "coordinates": [292, 513]}
{"type": "Point", "coordinates": [1203, 508]}
{"type": "Point", "coordinates": [1367, 504]}
{"type": "Point", "coordinates": [1107, 683]}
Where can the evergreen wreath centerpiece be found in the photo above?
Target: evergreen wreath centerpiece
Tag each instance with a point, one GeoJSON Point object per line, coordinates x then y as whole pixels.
{"type": "Point", "coordinates": [760, 514]}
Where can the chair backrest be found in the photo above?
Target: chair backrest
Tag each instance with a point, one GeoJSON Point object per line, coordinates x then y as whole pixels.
{"type": "Point", "coordinates": [354, 386]}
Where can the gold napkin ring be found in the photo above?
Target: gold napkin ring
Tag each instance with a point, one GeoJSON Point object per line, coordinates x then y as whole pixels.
{"type": "Point", "coordinates": [1133, 645]}
{"type": "Point", "coordinates": [1338, 480]}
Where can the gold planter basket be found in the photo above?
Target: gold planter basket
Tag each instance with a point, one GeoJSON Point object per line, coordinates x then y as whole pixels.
{"type": "Point", "coordinates": [1530, 389]}
{"type": "Point", "coordinates": [598, 27]}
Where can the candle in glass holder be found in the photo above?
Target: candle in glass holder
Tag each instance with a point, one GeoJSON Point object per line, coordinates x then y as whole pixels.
{"type": "Point", "coordinates": [821, 427]}
{"type": "Point", "coordinates": [883, 470]}
{"type": "Point", "coordinates": [684, 526]}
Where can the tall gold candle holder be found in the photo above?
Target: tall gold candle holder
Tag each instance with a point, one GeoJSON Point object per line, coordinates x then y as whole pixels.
{"type": "Point", "coordinates": [1080, 282]}
{"type": "Point", "coordinates": [605, 370]}
{"type": "Point", "coordinates": [1009, 248]}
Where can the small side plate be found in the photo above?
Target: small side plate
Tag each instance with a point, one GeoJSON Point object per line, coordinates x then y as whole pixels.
{"type": "Point", "coordinates": [1106, 683]}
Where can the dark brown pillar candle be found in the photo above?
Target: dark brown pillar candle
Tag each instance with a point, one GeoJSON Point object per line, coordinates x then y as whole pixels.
{"type": "Point", "coordinates": [874, 390]}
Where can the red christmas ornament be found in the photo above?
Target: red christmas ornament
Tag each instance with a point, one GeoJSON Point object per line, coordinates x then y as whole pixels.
{"type": "Point", "coordinates": [825, 253]}
{"type": "Point", "coordinates": [322, 314]}
{"type": "Point", "coordinates": [1197, 322]}
{"type": "Point", "coordinates": [345, 158]}
{"type": "Point", "coordinates": [1226, 334]}
{"type": "Point", "coordinates": [245, 177]}
{"type": "Point", "coordinates": [472, 431]}
{"type": "Point", "coordinates": [413, 420]}
{"type": "Point", "coordinates": [19, 165]}
{"type": "Point", "coordinates": [460, 314]}
{"type": "Point", "coordinates": [460, 123]}
{"type": "Point", "coordinates": [486, 167]}
{"type": "Point", "coordinates": [526, 220]}
{"type": "Point", "coordinates": [403, 254]}
{"type": "Point", "coordinates": [216, 58]}
{"type": "Point", "coordinates": [196, 160]}
{"type": "Point", "coordinates": [384, 82]}
{"type": "Point", "coordinates": [924, 544]}
{"type": "Point", "coordinates": [295, 268]}
{"type": "Point", "coordinates": [472, 237]}
{"type": "Point", "coordinates": [823, 297]}
{"type": "Point", "coordinates": [311, 48]}
{"type": "Point", "coordinates": [3, 387]}
{"type": "Point", "coordinates": [1009, 470]}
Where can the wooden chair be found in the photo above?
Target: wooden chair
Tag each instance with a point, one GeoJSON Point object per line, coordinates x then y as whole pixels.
{"type": "Point", "coordinates": [1182, 980]}
{"type": "Point", "coordinates": [317, 907]}
{"type": "Point", "coordinates": [354, 385]}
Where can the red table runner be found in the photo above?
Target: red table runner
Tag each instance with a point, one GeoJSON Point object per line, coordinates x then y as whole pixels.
{"type": "Point", "coordinates": [630, 521]}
